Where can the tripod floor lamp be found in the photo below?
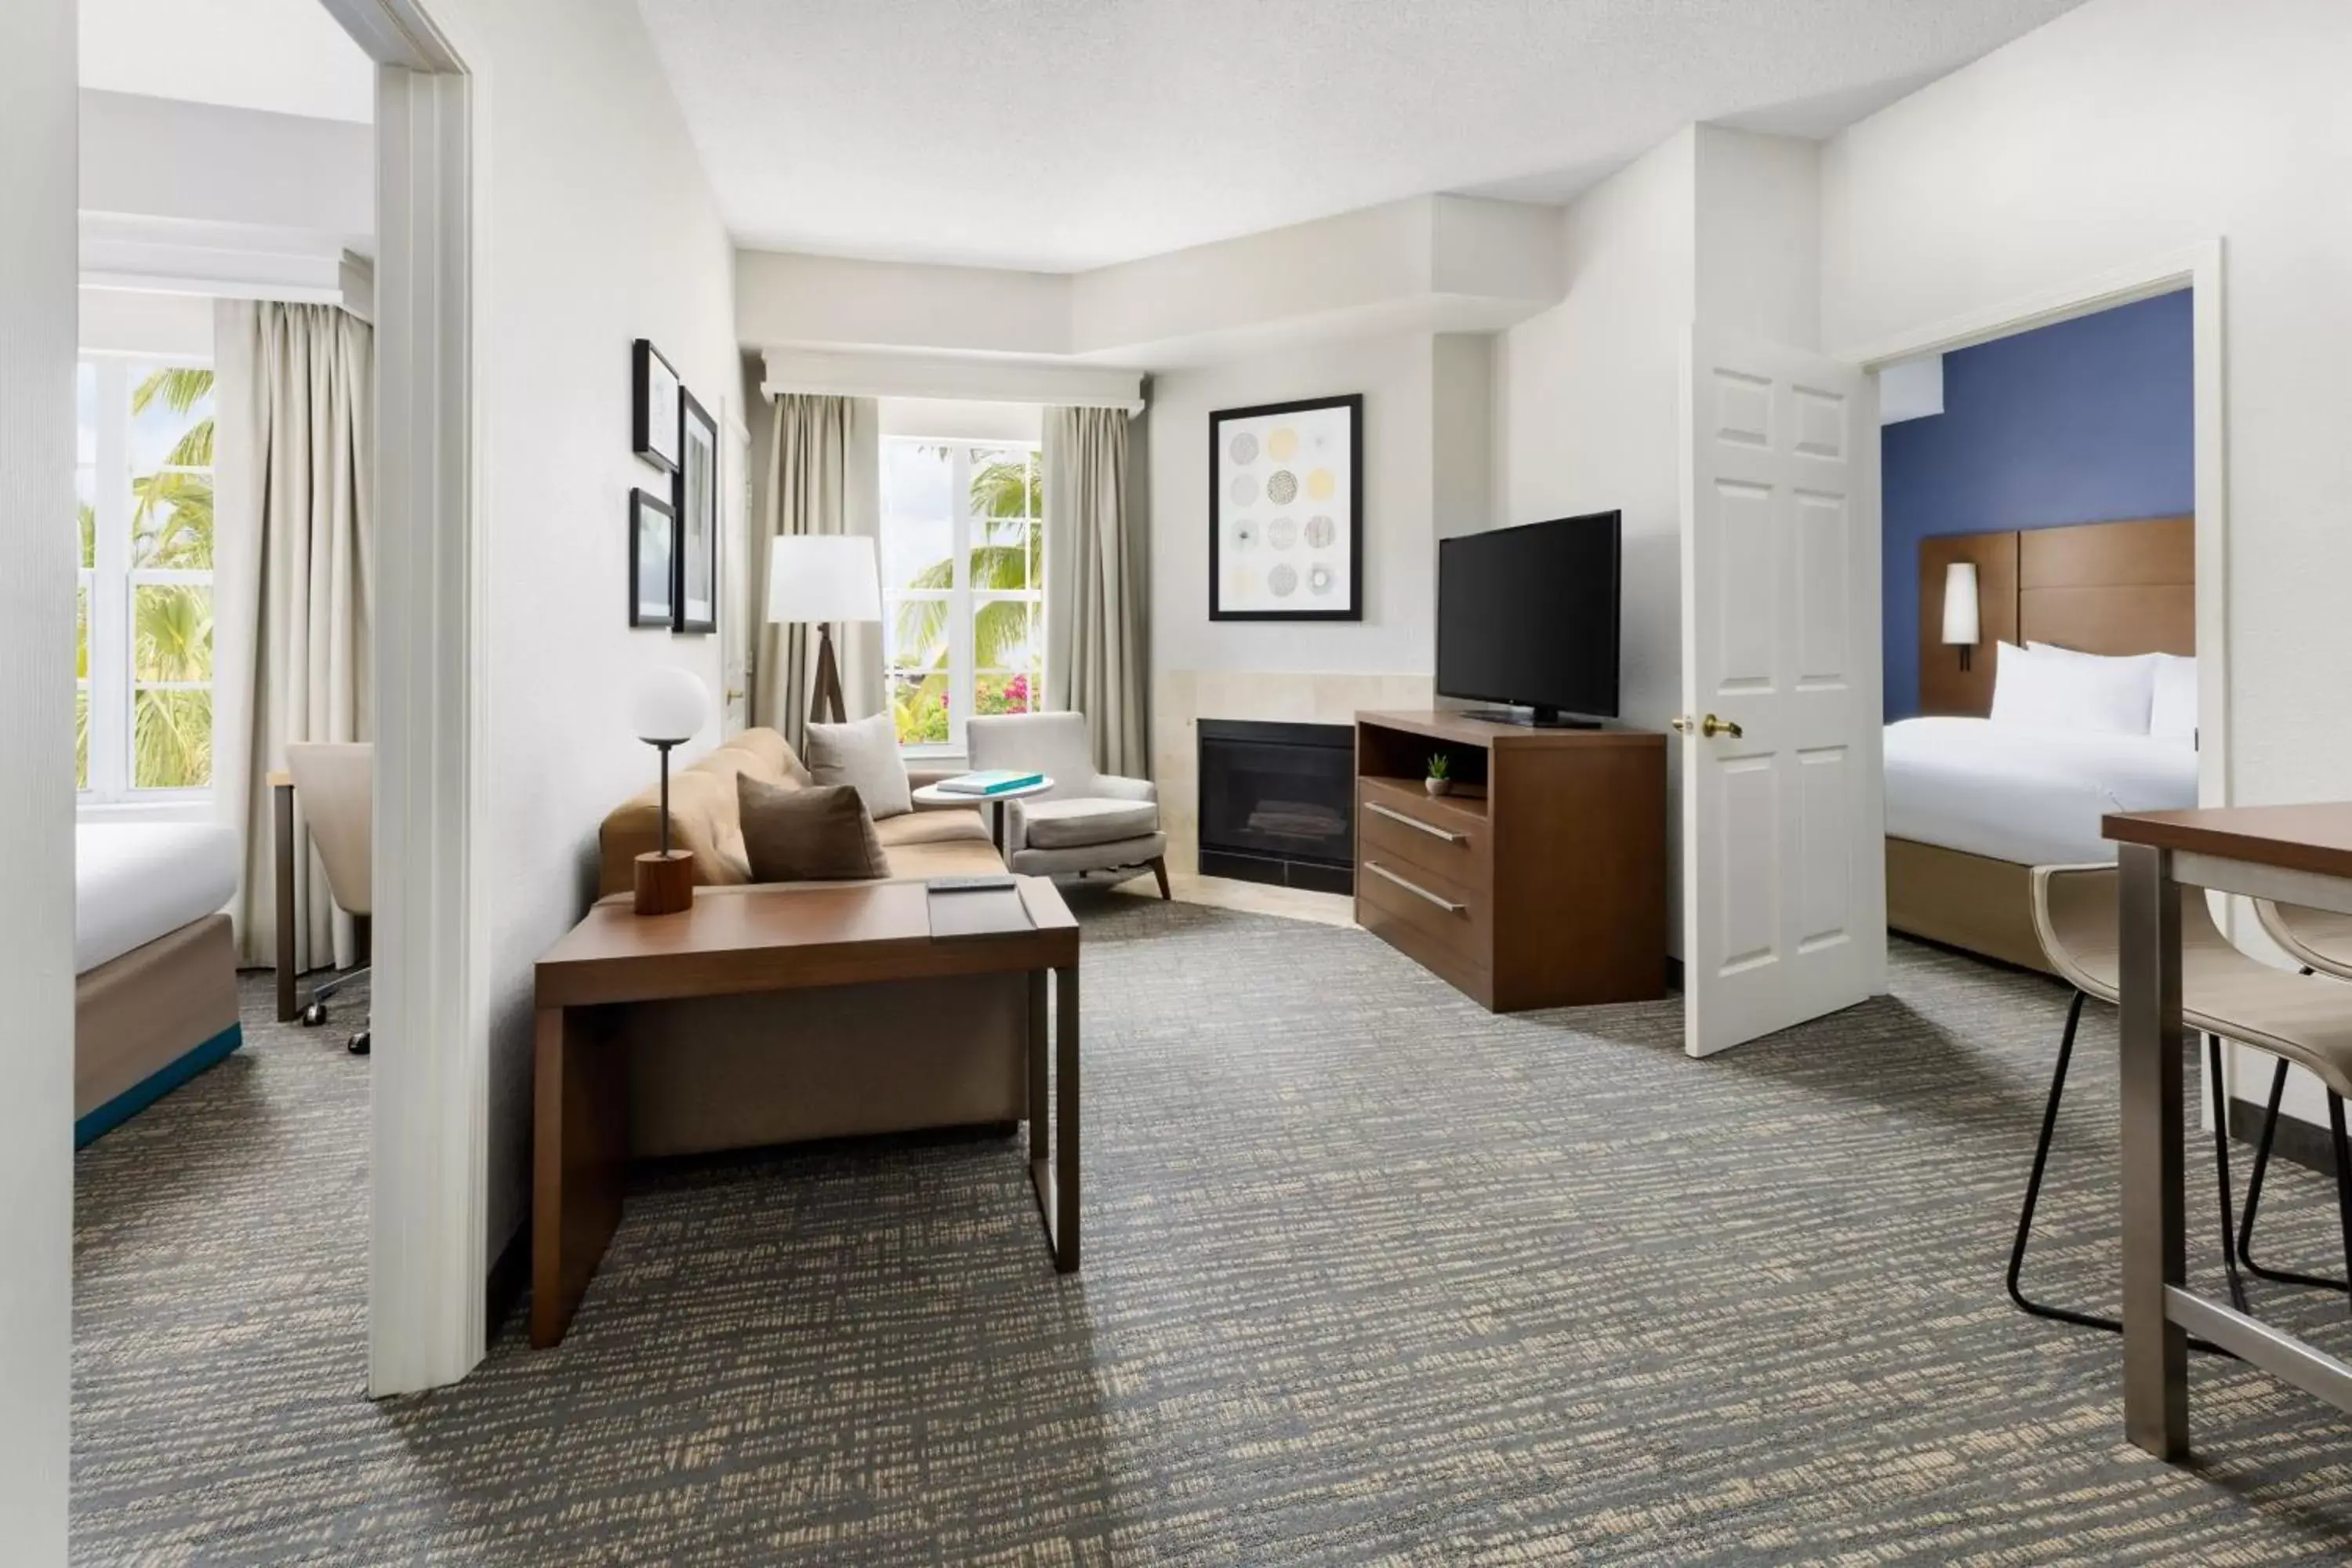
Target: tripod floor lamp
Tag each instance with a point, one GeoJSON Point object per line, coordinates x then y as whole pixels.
{"type": "Point", "coordinates": [819, 578]}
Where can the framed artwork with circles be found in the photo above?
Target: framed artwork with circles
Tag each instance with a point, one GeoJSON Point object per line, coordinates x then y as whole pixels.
{"type": "Point", "coordinates": [1285, 512]}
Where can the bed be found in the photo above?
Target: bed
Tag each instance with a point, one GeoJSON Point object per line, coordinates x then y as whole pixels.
{"type": "Point", "coordinates": [156, 965]}
{"type": "Point", "coordinates": [1973, 805]}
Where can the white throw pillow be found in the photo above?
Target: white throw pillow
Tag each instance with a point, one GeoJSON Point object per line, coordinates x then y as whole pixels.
{"type": "Point", "coordinates": [2173, 713]}
{"type": "Point", "coordinates": [2045, 688]}
{"type": "Point", "coordinates": [863, 754]}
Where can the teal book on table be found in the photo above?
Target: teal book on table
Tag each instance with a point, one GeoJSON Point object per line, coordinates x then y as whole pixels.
{"type": "Point", "coordinates": [996, 782]}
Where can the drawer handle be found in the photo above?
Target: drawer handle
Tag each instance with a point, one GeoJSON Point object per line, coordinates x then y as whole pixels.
{"type": "Point", "coordinates": [1394, 816]}
{"type": "Point", "coordinates": [1415, 889]}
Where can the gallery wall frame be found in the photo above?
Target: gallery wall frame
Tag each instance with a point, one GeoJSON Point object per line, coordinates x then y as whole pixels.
{"type": "Point", "coordinates": [1285, 511]}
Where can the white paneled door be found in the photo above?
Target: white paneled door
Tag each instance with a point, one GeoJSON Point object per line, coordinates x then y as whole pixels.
{"type": "Point", "coordinates": [1784, 879]}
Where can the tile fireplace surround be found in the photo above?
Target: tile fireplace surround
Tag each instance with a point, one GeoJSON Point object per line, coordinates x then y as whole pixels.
{"type": "Point", "coordinates": [1179, 698]}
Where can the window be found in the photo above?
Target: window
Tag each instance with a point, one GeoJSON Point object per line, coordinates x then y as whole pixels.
{"type": "Point", "coordinates": [144, 481]}
{"type": "Point", "coordinates": [964, 579]}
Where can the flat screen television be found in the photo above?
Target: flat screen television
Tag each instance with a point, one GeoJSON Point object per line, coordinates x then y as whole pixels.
{"type": "Point", "coordinates": [1528, 615]}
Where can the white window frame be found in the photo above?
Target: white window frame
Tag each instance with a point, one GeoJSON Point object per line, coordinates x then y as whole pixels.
{"type": "Point", "coordinates": [964, 528]}
{"type": "Point", "coordinates": [110, 585]}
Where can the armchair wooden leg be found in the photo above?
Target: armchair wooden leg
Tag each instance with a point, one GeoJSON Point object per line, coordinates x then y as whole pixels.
{"type": "Point", "coordinates": [1159, 871]}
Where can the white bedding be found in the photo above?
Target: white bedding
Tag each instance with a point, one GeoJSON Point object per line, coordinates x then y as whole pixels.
{"type": "Point", "coordinates": [2031, 796]}
{"type": "Point", "coordinates": [136, 881]}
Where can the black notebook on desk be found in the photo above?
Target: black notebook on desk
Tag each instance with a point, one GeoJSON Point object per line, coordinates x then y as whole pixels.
{"type": "Point", "coordinates": [977, 906]}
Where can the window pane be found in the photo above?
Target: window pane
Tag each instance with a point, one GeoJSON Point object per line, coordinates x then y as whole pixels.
{"type": "Point", "coordinates": [1000, 557]}
{"type": "Point", "coordinates": [171, 417]}
{"type": "Point", "coordinates": [81, 631]}
{"type": "Point", "coordinates": [1003, 634]}
{"type": "Point", "coordinates": [81, 739]}
{"type": "Point", "coordinates": [1003, 482]}
{"type": "Point", "coordinates": [917, 553]}
{"type": "Point", "coordinates": [85, 414]}
{"type": "Point", "coordinates": [918, 704]}
{"type": "Point", "coordinates": [171, 632]}
{"type": "Point", "coordinates": [172, 740]}
{"type": "Point", "coordinates": [85, 513]}
{"type": "Point", "coordinates": [1005, 694]}
{"type": "Point", "coordinates": [914, 480]}
{"type": "Point", "coordinates": [171, 521]}
{"type": "Point", "coordinates": [919, 629]}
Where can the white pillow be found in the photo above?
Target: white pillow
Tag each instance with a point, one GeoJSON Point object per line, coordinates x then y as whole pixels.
{"type": "Point", "coordinates": [863, 754]}
{"type": "Point", "coordinates": [2173, 713]}
{"type": "Point", "coordinates": [2045, 688]}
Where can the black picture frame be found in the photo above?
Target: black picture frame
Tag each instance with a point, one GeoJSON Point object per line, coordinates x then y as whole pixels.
{"type": "Point", "coordinates": [1220, 420]}
{"type": "Point", "coordinates": [653, 406]}
{"type": "Point", "coordinates": [653, 557]}
{"type": "Point", "coordinates": [694, 502]}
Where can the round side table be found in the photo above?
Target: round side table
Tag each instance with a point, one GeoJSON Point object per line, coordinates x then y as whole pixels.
{"type": "Point", "coordinates": [932, 795]}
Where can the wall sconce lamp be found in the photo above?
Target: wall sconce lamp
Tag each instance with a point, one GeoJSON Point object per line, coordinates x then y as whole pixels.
{"type": "Point", "coordinates": [1961, 629]}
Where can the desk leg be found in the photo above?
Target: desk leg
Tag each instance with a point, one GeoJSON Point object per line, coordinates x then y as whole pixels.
{"type": "Point", "coordinates": [1053, 1170]}
{"type": "Point", "coordinates": [580, 1147]}
{"type": "Point", "coordinates": [2155, 1253]}
{"type": "Point", "coordinates": [281, 810]}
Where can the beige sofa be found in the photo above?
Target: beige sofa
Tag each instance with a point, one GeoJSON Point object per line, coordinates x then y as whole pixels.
{"type": "Point", "coordinates": [731, 1072]}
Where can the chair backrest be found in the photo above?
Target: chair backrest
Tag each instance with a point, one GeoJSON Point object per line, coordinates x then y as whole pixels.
{"type": "Point", "coordinates": [334, 784]}
{"type": "Point", "coordinates": [1055, 744]}
{"type": "Point", "coordinates": [2077, 915]}
{"type": "Point", "coordinates": [2316, 939]}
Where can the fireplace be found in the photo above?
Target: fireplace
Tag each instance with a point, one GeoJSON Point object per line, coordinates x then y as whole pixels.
{"type": "Point", "coordinates": [1278, 803]}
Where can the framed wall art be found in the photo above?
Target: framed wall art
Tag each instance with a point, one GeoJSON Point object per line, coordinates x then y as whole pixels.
{"type": "Point", "coordinates": [1285, 512]}
{"type": "Point", "coordinates": [653, 406]}
{"type": "Point", "coordinates": [694, 494]}
{"type": "Point", "coordinates": [653, 552]}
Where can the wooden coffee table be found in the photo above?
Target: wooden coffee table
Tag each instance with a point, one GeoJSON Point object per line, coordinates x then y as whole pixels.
{"type": "Point", "coordinates": [774, 939]}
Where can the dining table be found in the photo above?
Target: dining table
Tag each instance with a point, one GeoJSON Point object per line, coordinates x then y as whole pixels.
{"type": "Point", "coordinates": [2290, 854]}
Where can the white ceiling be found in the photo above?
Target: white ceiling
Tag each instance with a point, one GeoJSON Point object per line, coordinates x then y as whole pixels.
{"type": "Point", "coordinates": [1062, 134]}
{"type": "Point", "coordinates": [286, 56]}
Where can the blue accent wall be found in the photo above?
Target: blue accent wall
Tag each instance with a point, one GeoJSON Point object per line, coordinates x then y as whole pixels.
{"type": "Point", "coordinates": [2091, 420]}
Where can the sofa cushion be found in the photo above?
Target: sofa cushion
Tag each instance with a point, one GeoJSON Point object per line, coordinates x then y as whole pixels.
{"type": "Point", "coordinates": [956, 857]}
{"type": "Point", "coordinates": [864, 754]}
{"type": "Point", "coordinates": [955, 825]}
{"type": "Point", "coordinates": [1076, 824]}
{"type": "Point", "coordinates": [705, 819]}
{"type": "Point", "coordinates": [820, 833]}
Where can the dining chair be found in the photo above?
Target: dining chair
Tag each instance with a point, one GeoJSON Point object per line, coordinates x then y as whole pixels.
{"type": "Point", "coordinates": [2225, 994]}
{"type": "Point", "coordinates": [2320, 940]}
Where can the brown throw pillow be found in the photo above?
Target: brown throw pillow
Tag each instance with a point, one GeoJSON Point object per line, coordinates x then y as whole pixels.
{"type": "Point", "coordinates": [816, 834]}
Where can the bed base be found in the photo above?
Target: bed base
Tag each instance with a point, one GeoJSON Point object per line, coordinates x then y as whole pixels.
{"type": "Point", "coordinates": [1969, 901]}
{"type": "Point", "coordinates": [148, 1021]}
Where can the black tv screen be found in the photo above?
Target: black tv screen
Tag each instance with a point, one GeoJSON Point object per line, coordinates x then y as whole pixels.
{"type": "Point", "coordinates": [1528, 615]}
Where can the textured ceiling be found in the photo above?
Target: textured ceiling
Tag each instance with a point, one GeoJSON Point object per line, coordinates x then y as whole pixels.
{"type": "Point", "coordinates": [286, 56]}
{"type": "Point", "coordinates": [1062, 134]}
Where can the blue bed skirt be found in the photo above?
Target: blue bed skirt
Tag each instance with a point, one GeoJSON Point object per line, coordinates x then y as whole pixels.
{"type": "Point", "coordinates": [155, 1086]}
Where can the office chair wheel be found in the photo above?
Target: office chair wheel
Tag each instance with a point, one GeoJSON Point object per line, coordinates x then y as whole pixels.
{"type": "Point", "coordinates": [360, 1043]}
{"type": "Point", "coordinates": [314, 1015]}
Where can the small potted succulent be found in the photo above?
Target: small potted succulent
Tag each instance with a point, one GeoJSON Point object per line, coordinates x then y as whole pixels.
{"type": "Point", "coordinates": [1441, 775]}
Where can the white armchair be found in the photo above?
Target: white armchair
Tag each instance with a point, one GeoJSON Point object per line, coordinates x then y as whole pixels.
{"type": "Point", "coordinates": [1088, 821]}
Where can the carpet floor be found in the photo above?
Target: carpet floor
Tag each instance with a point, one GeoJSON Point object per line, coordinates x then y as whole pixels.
{"type": "Point", "coordinates": [1371, 1275]}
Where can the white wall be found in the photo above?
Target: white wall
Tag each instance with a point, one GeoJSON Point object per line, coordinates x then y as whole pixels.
{"type": "Point", "coordinates": [1395, 375]}
{"type": "Point", "coordinates": [603, 230]}
{"type": "Point", "coordinates": [1757, 234]}
{"type": "Point", "coordinates": [2118, 133]}
{"type": "Point", "coordinates": [37, 616]}
{"type": "Point", "coordinates": [165, 157]}
{"type": "Point", "coordinates": [124, 320]}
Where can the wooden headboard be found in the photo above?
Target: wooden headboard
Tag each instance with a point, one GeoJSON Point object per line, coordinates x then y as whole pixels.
{"type": "Point", "coordinates": [2102, 587]}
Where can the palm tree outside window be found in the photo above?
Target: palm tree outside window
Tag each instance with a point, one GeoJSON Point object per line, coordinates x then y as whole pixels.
{"type": "Point", "coordinates": [963, 564]}
{"type": "Point", "coordinates": [143, 659]}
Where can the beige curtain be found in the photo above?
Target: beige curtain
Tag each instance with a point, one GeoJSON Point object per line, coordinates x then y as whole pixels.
{"type": "Point", "coordinates": [823, 477]}
{"type": "Point", "coordinates": [292, 595]}
{"type": "Point", "coordinates": [1096, 651]}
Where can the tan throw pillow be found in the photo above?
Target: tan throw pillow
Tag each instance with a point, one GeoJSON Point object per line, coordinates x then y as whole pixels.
{"type": "Point", "coordinates": [818, 834]}
{"type": "Point", "coordinates": [863, 754]}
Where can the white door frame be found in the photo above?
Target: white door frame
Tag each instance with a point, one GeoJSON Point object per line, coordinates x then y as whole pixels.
{"type": "Point", "coordinates": [429, 1072]}
{"type": "Point", "coordinates": [2198, 267]}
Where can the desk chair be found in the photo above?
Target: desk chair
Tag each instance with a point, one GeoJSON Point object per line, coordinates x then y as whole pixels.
{"type": "Point", "coordinates": [2226, 995]}
{"type": "Point", "coordinates": [336, 782]}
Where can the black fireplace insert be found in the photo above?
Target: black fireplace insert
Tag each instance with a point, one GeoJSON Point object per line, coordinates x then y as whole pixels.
{"type": "Point", "coordinates": [1277, 803]}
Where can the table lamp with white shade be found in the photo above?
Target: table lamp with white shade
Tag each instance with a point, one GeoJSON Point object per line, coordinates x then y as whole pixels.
{"type": "Point", "coordinates": [667, 708]}
{"type": "Point", "coordinates": [1961, 626]}
{"type": "Point", "coordinates": [818, 579]}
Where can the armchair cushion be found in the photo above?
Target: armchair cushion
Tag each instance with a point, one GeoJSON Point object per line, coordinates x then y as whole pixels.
{"type": "Point", "coordinates": [1077, 824]}
{"type": "Point", "coordinates": [1114, 787]}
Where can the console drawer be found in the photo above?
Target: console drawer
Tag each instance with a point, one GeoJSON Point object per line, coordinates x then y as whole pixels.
{"type": "Point", "coordinates": [1447, 912]}
{"type": "Point", "coordinates": [1399, 827]}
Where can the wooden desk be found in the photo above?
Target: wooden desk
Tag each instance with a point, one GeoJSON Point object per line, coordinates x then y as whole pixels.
{"type": "Point", "coordinates": [774, 939]}
{"type": "Point", "coordinates": [2297, 855]}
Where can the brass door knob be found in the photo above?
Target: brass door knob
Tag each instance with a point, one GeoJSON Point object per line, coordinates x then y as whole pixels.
{"type": "Point", "coordinates": [1709, 727]}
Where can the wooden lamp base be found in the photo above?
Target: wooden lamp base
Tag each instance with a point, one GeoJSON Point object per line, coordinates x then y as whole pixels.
{"type": "Point", "coordinates": [665, 883]}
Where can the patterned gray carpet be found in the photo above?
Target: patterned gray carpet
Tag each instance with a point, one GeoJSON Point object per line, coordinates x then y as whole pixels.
{"type": "Point", "coordinates": [1370, 1277]}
